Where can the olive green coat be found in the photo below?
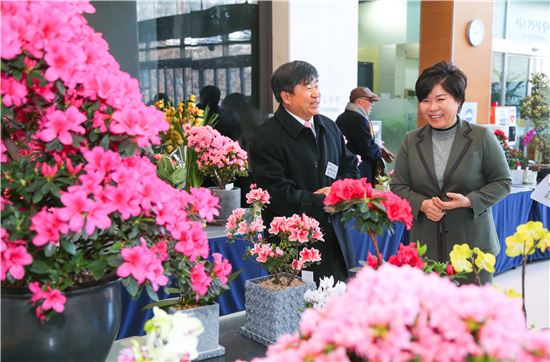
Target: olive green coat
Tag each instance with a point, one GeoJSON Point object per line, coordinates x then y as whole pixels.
{"type": "Point", "coordinates": [476, 168]}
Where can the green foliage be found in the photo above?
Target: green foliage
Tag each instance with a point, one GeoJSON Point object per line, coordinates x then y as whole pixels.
{"type": "Point", "coordinates": [536, 108]}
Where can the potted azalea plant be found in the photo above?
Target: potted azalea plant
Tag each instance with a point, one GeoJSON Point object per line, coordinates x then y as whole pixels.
{"type": "Point", "coordinates": [515, 158]}
{"type": "Point", "coordinates": [177, 164]}
{"type": "Point", "coordinates": [373, 211]}
{"type": "Point", "coordinates": [82, 207]}
{"type": "Point", "coordinates": [221, 159]}
{"type": "Point", "coordinates": [273, 303]}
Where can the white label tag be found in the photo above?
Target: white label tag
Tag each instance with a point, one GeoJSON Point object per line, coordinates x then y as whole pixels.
{"type": "Point", "coordinates": [542, 192]}
{"type": "Point", "coordinates": [307, 276]}
{"type": "Point", "coordinates": [229, 186]}
{"type": "Point", "coordinates": [332, 170]}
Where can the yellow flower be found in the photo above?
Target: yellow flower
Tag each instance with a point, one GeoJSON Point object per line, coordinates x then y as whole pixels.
{"type": "Point", "coordinates": [459, 258]}
{"type": "Point", "coordinates": [192, 98]}
{"type": "Point", "coordinates": [544, 242]}
{"type": "Point", "coordinates": [200, 112]}
{"type": "Point", "coordinates": [485, 261]}
{"type": "Point", "coordinates": [531, 230]}
{"type": "Point", "coordinates": [518, 245]}
{"type": "Point", "coordinates": [510, 293]}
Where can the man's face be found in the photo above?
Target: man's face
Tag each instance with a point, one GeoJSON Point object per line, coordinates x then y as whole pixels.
{"type": "Point", "coordinates": [365, 104]}
{"type": "Point", "coordinates": [304, 100]}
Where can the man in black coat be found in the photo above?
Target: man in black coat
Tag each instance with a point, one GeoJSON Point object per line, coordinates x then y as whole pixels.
{"type": "Point", "coordinates": [357, 128]}
{"type": "Point", "coordinates": [296, 155]}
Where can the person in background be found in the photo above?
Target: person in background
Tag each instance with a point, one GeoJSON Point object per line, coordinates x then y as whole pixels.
{"type": "Point", "coordinates": [296, 155]}
{"type": "Point", "coordinates": [210, 96]}
{"type": "Point", "coordinates": [238, 121]}
{"type": "Point", "coordinates": [451, 171]}
{"type": "Point", "coordinates": [357, 128]}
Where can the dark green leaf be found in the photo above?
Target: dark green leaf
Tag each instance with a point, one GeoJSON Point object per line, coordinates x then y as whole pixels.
{"type": "Point", "coordinates": [60, 87]}
{"type": "Point", "coordinates": [68, 246]}
{"type": "Point", "coordinates": [151, 293]}
{"type": "Point", "coordinates": [128, 148]}
{"type": "Point", "coordinates": [131, 286]}
{"type": "Point", "coordinates": [37, 196]}
{"type": "Point", "coordinates": [49, 250]}
{"type": "Point", "coordinates": [97, 267]}
{"type": "Point", "coordinates": [178, 176]}
{"type": "Point", "coordinates": [39, 267]}
{"type": "Point", "coordinates": [162, 303]}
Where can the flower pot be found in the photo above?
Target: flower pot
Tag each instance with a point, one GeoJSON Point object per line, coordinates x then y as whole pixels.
{"type": "Point", "coordinates": [85, 331]}
{"type": "Point", "coordinates": [209, 315]}
{"type": "Point", "coordinates": [529, 177]}
{"type": "Point", "coordinates": [272, 313]}
{"type": "Point", "coordinates": [229, 200]}
{"type": "Point", "coordinates": [517, 176]}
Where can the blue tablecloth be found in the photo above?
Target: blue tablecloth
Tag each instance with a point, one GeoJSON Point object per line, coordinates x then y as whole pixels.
{"type": "Point", "coordinates": [515, 209]}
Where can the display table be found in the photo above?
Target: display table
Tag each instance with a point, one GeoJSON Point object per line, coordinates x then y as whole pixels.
{"type": "Point", "coordinates": [236, 345]}
{"type": "Point", "coordinates": [517, 208]}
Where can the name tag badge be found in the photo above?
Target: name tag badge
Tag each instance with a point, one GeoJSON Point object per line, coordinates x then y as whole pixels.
{"type": "Point", "coordinates": [332, 170]}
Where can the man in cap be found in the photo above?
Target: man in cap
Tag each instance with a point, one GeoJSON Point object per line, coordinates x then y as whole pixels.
{"type": "Point", "coordinates": [357, 128]}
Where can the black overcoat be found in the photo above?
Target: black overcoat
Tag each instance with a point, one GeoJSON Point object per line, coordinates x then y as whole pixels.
{"type": "Point", "coordinates": [358, 131]}
{"type": "Point", "coordinates": [290, 163]}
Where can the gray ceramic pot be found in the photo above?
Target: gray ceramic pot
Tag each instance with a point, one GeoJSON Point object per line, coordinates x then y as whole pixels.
{"type": "Point", "coordinates": [85, 331]}
{"type": "Point", "coordinates": [229, 200]}
{"type": "Point", "coordinates": [209, 315]}
{"type": "Point", "coordinates": [272, 313]}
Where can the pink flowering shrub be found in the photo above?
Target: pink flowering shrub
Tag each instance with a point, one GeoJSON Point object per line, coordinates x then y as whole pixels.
{"type": "Point", "coordinates": [218, 156]}
{"type": "Point", "coordinates": [285, 249]}
{"type": "Point", "coordinates": [401, 314]}
{"type": "Point", "coordinates": [80, 200]}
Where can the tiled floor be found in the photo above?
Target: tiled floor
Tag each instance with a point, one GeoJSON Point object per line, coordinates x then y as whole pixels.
{"type": "Point", "coordinates": [537, 284]}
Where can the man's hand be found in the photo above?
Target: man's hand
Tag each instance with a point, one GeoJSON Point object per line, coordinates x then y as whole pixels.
{"type": "Point", "coordinates": [388, 156]}
{"type": "Point", "coordinates": [432, 212]}
{"type": "Point", "coordinates": [323, 191]}
{"type": "Point", "coordinates": [457, 201]}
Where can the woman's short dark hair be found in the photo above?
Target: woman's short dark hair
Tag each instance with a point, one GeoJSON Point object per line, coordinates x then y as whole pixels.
{"type": "Point", "coordinates": [288, 75]}
{"type": "Point", "coordinates": [452, 79]}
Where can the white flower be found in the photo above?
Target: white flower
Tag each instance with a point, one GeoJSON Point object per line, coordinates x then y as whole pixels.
{"type": "Point", "coordinates": [319, 298]}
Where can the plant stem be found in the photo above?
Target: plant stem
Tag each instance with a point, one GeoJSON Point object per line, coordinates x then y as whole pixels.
{"type": "Point", "coordinates": [523, 265]}
{"type": "Point", "coordinates": [372, 236]}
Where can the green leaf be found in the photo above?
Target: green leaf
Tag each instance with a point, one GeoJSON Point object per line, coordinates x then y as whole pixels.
{"type": "Point", "coordinates": [37, 196]}
{"type": "Point", "coordinates": [97, 267]}
{"type": "Point", "coordinates": [68, 246]}
{"type": "Point", "coordinates": [49, 250]}
{"type": "Point", "coordinates": [60, 87]}
{"type": "Point", "coordinates": [39, 267]}
{"type": "Point", "coordinates": [128, 148]}
{"type": "Point", "coordinates": [131, 286]}
{"type": "Point", "coordinates": [172, 290]}
{"type": "Point", "coordinates": [105, 142]}
{"type": "Point", "coordinates": [178, 176]}
{"type": "Point", "coordinates": [151, 293]}
{"type": "Point", "coordinates": [162, 303]}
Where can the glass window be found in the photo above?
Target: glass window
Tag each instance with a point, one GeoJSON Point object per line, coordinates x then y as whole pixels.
{"type": "Point", "coordinates": [517, 79]}
{"type": "Point", "coordinates": [186, 45]}
{"type": "Point", "coordinates": [388, 63]}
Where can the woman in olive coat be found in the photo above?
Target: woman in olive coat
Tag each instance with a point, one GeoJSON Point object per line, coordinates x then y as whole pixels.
{"type": "Point", "coordinates": [451, 171]}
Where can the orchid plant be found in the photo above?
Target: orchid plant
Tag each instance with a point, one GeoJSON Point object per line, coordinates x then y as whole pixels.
{"type": "Point", "coordinates": [372, 211]}
{"type": "Point", "coordinates": [525, 241]}
{"type": "Point", "coordinates": [285, 251]}
{"type": "Point", "coordinates": [169, 338]}
{"type": "Point", "coordinates": [467, 260]}
{"type": "Point", "coordinates": [327, 291]}
{"type": "Point", "coordinates": [80, 202]}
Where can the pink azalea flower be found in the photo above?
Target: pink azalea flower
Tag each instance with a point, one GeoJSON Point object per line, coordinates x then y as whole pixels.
{"type": "Point", "coordinates": [59, 124]}
{"type": "Point", "coordinates": [3, 150]}
{"type": "Point", "coordinates": [76, 205]}
{"type": "Point", "coordinates": [98, 216]}
{"type": "Point", "coordinates": [200, 281]}
{"type": "Point", "coordinates": [48, 171]}
{"type": "Point", "coordinates": [14, 93]}
{"type": "Point", "coordinates": [134, 262]}
{"type": "Point", "coordinates": [222, 268]}
{"type": "Point", "coordinates": [14, 257]}
{"type": "Point", "coordinates": [48, 227]}
{"type": "Point", "coordinates": [54, 300]}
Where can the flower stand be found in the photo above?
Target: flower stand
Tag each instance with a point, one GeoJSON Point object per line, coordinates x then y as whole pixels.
{"type": "Point", "coordinates": [209, 315]}
{"type": "Point", "coordinates": [272, 313]}
{"type": "Point", "coordinates": [85, 331]}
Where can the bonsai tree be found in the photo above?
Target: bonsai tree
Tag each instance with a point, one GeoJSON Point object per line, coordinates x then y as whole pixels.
{"type": "Point", "coordinates": [536, 108]}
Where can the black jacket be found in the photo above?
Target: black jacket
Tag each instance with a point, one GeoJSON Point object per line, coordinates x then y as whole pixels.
{"type": "Point", "coordinates": [357, 130]}
{"type": "Point", "coordinates": [290, 163]}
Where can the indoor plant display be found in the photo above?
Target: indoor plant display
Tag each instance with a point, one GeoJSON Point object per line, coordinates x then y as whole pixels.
{"type": "Point", "coordinates": [221, 159]}
{"type": "Point", "coordinates": [173, 141]}
{"type": "Point", "coordinates": [373, 211]}
{"type": "Point", "coordinates": [536, 108]}
{"type": "Point", "coordinates": [81, 206]}
{"type": "Point", "coordinates": [402, 314]}
{"type": "Point", "coordinates": [515, 158]}
{"type": "Point", "coordinates": [273, 303]}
